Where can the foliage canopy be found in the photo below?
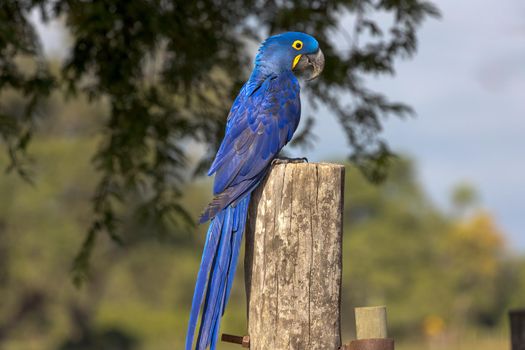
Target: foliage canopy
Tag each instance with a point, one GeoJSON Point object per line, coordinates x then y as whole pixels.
{"type": "Point", "coordinates": [168, 71]}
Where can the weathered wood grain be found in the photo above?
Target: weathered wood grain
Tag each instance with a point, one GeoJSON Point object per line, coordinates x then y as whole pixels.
{"type": "Point", "coordinates": [293, 258]}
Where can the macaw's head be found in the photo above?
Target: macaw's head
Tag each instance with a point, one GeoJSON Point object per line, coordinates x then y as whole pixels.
{"type": "Point", "coordinates": [293, 51]}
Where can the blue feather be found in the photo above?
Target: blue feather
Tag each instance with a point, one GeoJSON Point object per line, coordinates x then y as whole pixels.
{"type": "Point", "coordinates": [221, 275]}
{"type": "Point", "coordinates": [216, 284]}
{"type": "Point", "coordinates": [208, 255]}
{"type": "Point", "coordinates": [262, 120]}
{"type": "Point", "coordinates": [242, 213]}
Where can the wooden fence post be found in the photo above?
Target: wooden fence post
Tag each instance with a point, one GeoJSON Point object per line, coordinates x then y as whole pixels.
{"type": "Point", "coordinates": [517, 329]}
{"type": "Point", "coordinates": [293, 258]}
{"type": "Point", "coordinates": [371, 330]}
{"type": "Point", "coordinates": [370, 322]}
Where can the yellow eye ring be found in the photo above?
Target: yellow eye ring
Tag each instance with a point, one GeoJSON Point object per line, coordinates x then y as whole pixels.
{"type": "Point", "coordinates": [298, 45]}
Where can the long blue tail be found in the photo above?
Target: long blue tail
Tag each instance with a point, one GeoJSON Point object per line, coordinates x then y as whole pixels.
{"type": "Point", "coordinates": [219, 260]}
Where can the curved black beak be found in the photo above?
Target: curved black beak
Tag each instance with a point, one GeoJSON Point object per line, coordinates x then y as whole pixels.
{"type": "Point", "coordinates": [314, 63]}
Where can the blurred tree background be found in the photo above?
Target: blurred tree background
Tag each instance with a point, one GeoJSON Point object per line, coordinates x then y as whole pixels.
{"type": "Point", "coordinates": [443, 275]}
{"type": "Point", "coordinates": [166, 73]}
{"type": "Point", "coordinates": [109, 141]}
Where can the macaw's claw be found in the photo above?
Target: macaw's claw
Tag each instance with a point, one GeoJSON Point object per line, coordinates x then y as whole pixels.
{"type": "Point", "coordinates": [285, 160]}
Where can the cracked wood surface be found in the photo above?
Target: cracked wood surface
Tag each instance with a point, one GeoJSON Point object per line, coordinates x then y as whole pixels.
{"type": "Point", "coordinates": [293, 258]}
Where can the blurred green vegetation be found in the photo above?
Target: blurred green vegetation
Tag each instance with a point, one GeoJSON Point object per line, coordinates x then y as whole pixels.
{"type": "Point", "coordinates": [447, 278]}
{"type": "Point", "coordinates": [166, 73]}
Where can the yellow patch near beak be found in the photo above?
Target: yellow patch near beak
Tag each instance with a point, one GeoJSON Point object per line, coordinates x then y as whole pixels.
{"type": "Point", "coordinates": [296, 60]}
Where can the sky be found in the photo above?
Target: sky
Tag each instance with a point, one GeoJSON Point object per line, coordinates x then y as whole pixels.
{"type": "Point", "coordinates": [467, 86]}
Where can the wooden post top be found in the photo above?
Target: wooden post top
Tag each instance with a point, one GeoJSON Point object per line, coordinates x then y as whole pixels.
{"type": "Point", "coordinates": [371, 322]}
{"type": "Point", "coordinates": [309, 164]}
{"type": "Point", "coordinates": [371, 330]}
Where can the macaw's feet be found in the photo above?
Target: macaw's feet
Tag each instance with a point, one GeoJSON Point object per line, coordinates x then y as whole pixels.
{"type": "Point", "coordinates": [284, 160]}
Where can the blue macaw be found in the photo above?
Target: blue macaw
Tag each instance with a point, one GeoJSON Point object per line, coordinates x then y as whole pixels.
{"type": "Point", "coordinates": [262, 120]}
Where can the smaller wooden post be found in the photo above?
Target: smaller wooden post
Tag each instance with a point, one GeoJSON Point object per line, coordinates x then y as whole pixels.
{"type": "Point", "coordinates": [371, 330]}
{"type": "Point", "coordinates": [517, 329]}
{"type": "Point", "coordinates": [370, 322]}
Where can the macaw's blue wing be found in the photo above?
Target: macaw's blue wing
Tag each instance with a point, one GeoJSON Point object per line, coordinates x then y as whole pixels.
{"type": "Point", "coordinates": [262, 120]}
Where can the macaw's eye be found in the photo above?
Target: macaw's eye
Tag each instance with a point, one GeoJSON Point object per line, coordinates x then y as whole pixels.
{"type": "Point", "coordinates": [298, 45]}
